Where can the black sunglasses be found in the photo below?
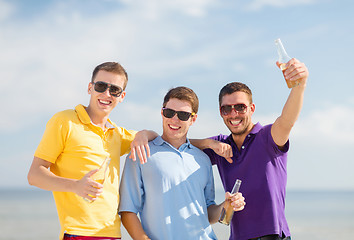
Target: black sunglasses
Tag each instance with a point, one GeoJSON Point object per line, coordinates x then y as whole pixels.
{"type": "Point", "coordinates": [183, 116]}
{"type": "Point", "coordinates": [239, 108]}
{"type": "Point", "coordinates": [101, 87]}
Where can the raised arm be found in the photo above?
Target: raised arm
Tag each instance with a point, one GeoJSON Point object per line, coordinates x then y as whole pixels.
{"type": "Point", "coordinates": [40, 176]}
{"type": "Point", "coordinates": [281, 128]}
{"type": "Point", "coordinates": [140, 146]}
{"type": "Point", "coordinates": [220, 148]}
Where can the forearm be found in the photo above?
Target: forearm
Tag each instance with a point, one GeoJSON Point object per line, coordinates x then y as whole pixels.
{"type": "Point", "coordinates": [40, 176]}
{"type": "Point", "coordinates": [220, 148]}
{"type": "Point", "coordinates": [150, 135]}
{"type": "Point", "coordinates": [214, 212]}
{"type": "Point", "coordinates": [292, 107]}
{"type": "Point", "coordinates": [282, 126]}
{"type": "Point", "coordinates": [133, 225]}
{"type": "Point", "coordinates": [202, 143]}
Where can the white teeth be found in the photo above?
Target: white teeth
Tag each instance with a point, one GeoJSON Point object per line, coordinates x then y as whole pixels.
{"type": "Point", "coordinates": [105, 102]}
{"type": "Point", "coordinates": [235, 122]}
{"type": "Point", "coordinates": [174, 127]}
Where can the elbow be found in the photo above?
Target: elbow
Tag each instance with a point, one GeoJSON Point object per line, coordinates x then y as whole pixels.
{"type": "Point", "coordinates": [213, 213]}
{"type": "Point", "coordinates": [37, 171]}
{"type": "Point", "coordinates": [213, 218]}
{"type": "Point", "coordinates": [211, 221]}
{"type": "Point", "coordinates": [30, 179]}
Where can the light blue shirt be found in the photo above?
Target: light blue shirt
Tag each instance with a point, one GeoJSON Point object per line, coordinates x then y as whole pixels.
{"type": "Point", "coordinates": [171, 192]}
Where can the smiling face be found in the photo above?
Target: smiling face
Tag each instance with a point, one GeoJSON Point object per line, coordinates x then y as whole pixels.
{"type": "Point", "coordinates": [174, 130]}
{"type": "Point", "coordinates": [101, 104]}
{"type": "Point", "coordinates": [239, 124]}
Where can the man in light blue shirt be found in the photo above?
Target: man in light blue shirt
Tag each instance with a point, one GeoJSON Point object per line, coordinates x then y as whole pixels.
{"type": "Point", "coordinates": [174, 191]}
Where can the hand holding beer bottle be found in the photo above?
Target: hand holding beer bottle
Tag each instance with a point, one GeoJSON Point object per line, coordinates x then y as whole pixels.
{"type": "Point", "coordinates": [228, 210]}
{"type": "Point", "coordinates": [100, 175]}
{"type": "Point", "coordinates": [283, 59]}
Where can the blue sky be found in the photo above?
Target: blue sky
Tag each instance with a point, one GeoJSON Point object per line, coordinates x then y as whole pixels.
{"type": "Point", "coordinates": [48, 50]}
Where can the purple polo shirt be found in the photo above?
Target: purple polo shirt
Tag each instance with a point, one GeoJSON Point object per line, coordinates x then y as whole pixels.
{"type": "Point", "coordinates": [262, 168]}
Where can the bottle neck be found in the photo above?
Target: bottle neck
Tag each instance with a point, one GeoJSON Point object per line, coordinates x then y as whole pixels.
{"type": "Point", "coordinates": [283, 56]}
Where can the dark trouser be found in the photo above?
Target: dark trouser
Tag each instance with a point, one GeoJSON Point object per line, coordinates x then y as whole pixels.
{"type": "Point", "coordinates": [272, 237]}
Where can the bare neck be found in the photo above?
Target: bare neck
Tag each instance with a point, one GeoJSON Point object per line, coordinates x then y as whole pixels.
{"type": "Point", "coordinates": [175, 142]}
{"type": "Point", "coordinates": [240, 138]}
{"type": "Point", "coordinates": [97, 119]}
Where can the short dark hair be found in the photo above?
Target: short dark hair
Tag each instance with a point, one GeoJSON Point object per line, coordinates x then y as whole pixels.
{"type": "Point", "coordinates": [184, 94]}
{"type": "Point", "coordinates": [112, 67]}
{"type": "Point", "coordinates": [235, 87]}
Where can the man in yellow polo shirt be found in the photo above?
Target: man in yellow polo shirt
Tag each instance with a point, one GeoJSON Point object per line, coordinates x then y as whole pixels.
{"type": "Point", "coordinates": [74, 145]}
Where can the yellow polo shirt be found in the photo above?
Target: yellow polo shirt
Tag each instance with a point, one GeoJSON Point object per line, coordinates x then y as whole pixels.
{"type": "Point", "coordinates": [75, 146]}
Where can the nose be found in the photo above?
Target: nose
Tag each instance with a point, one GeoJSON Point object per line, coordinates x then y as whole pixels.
{"type": "Point", "coordinates": [106, 92]}
{"type": "Point", "coordinates": [175, 117]}
{"type": "Point", "coordinates": [234, 112]}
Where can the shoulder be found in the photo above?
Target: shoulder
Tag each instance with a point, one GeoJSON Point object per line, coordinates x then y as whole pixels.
{"type": "Point", "coordinates": [264, 135]}
{"type": "Point", "coordinates": [261, 133]}
{"type": "Point", "coordinates": [267, 128]}
{"type": "Point", "coordinates": [260, 130]}
{"type": "Point", "coordinates": [200, 155]}
{"type": "Point", "coordinates": [156, 146]}
{"type": "Point", "coordinates": [68, 113]}
{"type": "Point", "coordinates": [157, 142]}
{"type": "Point", "coordinates": [123, 131]}
{"type": "Point", "coordinates": [62, 117]}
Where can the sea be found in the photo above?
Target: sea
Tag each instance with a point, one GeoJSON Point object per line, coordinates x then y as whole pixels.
{"type": "Point", "coordinates": [30, 214]}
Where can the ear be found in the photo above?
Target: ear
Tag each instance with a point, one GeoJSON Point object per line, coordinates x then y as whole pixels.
{"type": "Point", "coordinates": [122, 96]}
{"type": "Point", "coordinates": [253, 108]}
{"type": "Point", "coordinates": [193, 119]}
{"type": "Point", "coordinates": [89, 88]}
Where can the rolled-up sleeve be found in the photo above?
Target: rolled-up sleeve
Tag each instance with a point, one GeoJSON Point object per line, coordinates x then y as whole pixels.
{"type": "Point", "coordinates": [131, 189]}
{"type": "Point", "coordinates": [209, 190]}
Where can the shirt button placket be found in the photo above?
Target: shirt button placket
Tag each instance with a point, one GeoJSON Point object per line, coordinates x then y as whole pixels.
{"type": "Point", "coordinates": [104, 141]}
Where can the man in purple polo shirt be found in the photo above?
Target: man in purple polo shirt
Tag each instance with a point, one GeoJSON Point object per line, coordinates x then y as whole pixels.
{"type": "Point", "coordinates": [257, 155]}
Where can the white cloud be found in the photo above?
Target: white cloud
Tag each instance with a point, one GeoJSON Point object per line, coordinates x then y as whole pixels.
{"type": "Point", "coordinates": [259, 4]}
{"type": "Point", "coordinates": [132, 115]}
{"type": "Point", "coordinates": [264, 119]}
{"type": "Point", "coordinates": [50, 60]}
{"type": "Point", "coordinates": [330, 126]}
{"type": "Point", "coordinates": [155, 8]}
{"type": "Point", "coordinates": [51, 57]}
{"type": "Point", "coordinates": [322, 126]}
{"type": "Point", "coordinates": [197, 8]}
